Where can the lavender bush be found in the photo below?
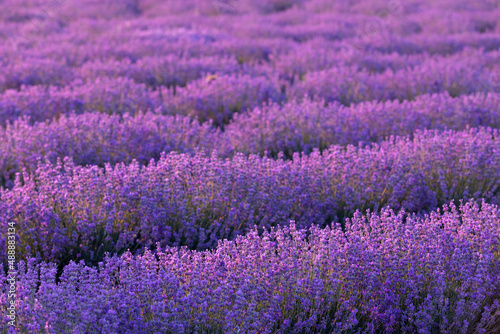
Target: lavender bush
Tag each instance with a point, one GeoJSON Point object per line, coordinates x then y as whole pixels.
{"type": "Point", "coordinates": [96, 139]}
{"type": "Point", "coordinates": [217, 97]}
{"type": "Point", "coordinates": [384, 272]}
{"type": "Point", "coordinates": [348, 85]}
{"type": "Point", "coordinates": [106, 95]}
{"type": "Point", "coordinates": [168, 71]}
{"type": "Point", "coordinates": [198, 200]}
{"type": "Point", "coordinates": [302, 126]}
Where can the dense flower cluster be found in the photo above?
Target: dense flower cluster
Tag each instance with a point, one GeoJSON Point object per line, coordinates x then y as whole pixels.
{"type": "Point", "coordinates": [298, 126]}
{"type": "Point", "coordinates": [105, 95]}
{"type": "Point", "coordinates": [130, 129]}
{"type": "Point", "coordinates": [218, 98]}
{"type": "Point", "coordinates": [156, 71]}
{"type": "Point", "coordinates": [306, 125]}
{"type": "Point", "coordinates": [457, 74]}
{"type": "Point", "coordinates": [384, 272]}
{"type": "Point", "coordinates": [95, 139]}
{"type": "Point", "coordinates": [68, 210]}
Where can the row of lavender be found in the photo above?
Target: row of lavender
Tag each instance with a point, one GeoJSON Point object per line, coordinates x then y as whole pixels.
{"type": "Point", "coordinates": [219, 97]}
{"type": "Point", "coordinates": [77, 40]}
{"type": "Point", "coordinates": [309, 52]}
{"type": "Point", "coordinates": [297, 126]}
{"type": "Point", "coordinates": [178, 69]}
{"type": "Point", "coordinates": [65, 211]}
{"type": "Point", "coordinates": [386, 272]}
{"type": "Point", "coordinates": [225, 87]}
{"type": "Point", "coordinates": [69, 10]}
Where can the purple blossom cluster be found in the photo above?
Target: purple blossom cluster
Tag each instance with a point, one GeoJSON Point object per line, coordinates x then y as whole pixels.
{"type": "Point", "coordinates": [69, 211]}
{"type": "Point", "coordinates": [33, 71]}
{"type": "Point", "coordinates": [217, 98]}
{"type": "Point", "coordinates": [209, 94]}
{"type": "Point", "coordinates": [97, 138]}
{"type": "Point", "coordinates": [93, 138]}
{"type": "Point", "coordinates": [205, 166]}
{"type": "Point", "coordinates": [455, 75]}
{"type": "Point", "coordinates": [105, 95]}
{"type": "Point", "coordinates": [157, 71]}
{"type": "Point", "coordinates": [302, 126]}
{"type": "Point", "coordinates": [384, 272]}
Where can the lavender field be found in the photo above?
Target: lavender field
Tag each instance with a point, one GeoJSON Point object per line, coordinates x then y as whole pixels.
{"type": "Point", "coordinates": [250, 166]}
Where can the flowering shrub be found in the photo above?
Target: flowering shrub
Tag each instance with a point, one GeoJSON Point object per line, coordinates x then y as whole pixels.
{"type": "Point", "coordinates": [302, 126]}
{"type": "Point", "coordinates": [217, 97]}
{"type": "Point", "coordinates": [384, 272]}
{"type": "Point", "coordinates": [346, 84]}
{"type": "Point", "coordinates": [158, 71]}
{"type": "Point", "coordinates": [201, 199]}
{"type": "Point", "coordinates": [96, 139]}
{"type": "Point", "coordinates": [105, 95]}
{"type": "Point", "coordinates": [34, 72]}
